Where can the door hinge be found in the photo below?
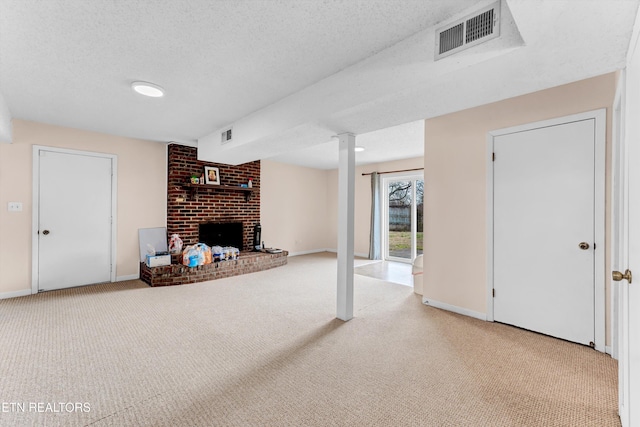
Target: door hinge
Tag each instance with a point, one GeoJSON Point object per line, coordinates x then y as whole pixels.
{"type": "Point", "coordinates": [594, 246]}
{"type": "Point", "coordinates": [493, 157]}
{"type": "Point", "coordinates": [494, 292]}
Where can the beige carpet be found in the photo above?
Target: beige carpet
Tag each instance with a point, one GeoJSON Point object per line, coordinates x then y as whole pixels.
{"type": "Point", "coordinates": [265, 350]}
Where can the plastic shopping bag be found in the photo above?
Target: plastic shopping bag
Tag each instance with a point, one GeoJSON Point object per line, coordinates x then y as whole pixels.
{"type": "Point", "coordinates": [175, 244]}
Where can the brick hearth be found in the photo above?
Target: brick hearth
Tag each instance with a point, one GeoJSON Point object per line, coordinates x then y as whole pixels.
{"type": "Point", "coordinates": [178, 274]}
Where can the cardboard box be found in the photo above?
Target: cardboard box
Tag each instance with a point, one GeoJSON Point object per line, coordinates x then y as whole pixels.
{"type": "Point", "coordinates": [158, 260]}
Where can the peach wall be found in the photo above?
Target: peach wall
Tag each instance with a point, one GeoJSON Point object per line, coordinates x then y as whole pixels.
{"type": "Point", "coordinates": [299, 205]}
{"type": "Point", "coordinates": [455, 244]}
{"type": "Point", "coordinates": [293, 207]}
{"type": "Point", "coordinates": [141, 194]}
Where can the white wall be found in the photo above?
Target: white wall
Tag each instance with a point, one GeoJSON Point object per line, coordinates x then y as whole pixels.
{"type": "Point", "coordinates": [142, 177]}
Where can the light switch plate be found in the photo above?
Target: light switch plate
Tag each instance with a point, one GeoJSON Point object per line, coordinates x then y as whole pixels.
{"type": "Point", "coordinates": [14, 206]}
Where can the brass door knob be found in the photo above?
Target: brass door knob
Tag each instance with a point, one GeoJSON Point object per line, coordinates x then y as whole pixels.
{"type": "Point", "coordinates": [617, 276]}
{"type": "Point", "coordinates": [584, 246]}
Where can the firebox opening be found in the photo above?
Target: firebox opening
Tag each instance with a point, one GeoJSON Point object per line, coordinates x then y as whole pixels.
{"type": "Point", "coordinates": [222, 234]}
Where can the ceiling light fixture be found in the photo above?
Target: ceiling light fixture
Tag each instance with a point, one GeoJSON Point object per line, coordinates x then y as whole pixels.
{"type": "Point", "coordinates": [148, 89]}
{"type": "Point", "coordinates": [358, 149]}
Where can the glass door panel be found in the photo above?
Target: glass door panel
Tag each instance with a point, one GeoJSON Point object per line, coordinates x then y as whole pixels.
{"type": "Point", "coordinates": [399, 220]}
{"type": "Point", "coordinates": [403, 222]}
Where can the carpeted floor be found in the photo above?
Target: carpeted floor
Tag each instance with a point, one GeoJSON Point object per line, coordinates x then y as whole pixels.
{"type": "Point", "coordinates": [265, 350]}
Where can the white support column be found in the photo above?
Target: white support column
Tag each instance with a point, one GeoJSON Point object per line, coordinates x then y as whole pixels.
{"type": "Point", "coordinates": [346, 193]}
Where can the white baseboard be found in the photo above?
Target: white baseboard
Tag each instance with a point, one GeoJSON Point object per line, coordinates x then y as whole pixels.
{"type": "Point", "coordinates": [25, 292]}
{"type": "Point", "coordinates": [15, 294]}
{"type": "Point", "coordinates": [453, 308]}
{"type": "Point", "coordinates": [129, 277]}
{"type": "Point", "coordinates": [334, 251]}
{"type": "Point", "coordinates": [312, 251]}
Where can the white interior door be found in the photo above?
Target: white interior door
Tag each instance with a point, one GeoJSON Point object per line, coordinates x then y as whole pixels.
{"type": "Point", "coordinates": [627, 213]}
{"type": "Point", "coordinates": [630, 291]}
{"type": "Point", "coordinates": [544, 230]}
{"type": "Point", "coordinates": [620, 252]}
{"type": "Point", "coordinates": [74, 219]}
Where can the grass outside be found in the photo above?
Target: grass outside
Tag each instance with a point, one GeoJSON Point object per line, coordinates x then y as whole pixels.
{"type": "Point", "coordinates": [401, 240]}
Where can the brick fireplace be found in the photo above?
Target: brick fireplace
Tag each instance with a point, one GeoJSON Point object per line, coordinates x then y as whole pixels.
{"type": "Point", "coordinates": [228, 205]}
{"type": "Point", "coordinates": [188, 207]}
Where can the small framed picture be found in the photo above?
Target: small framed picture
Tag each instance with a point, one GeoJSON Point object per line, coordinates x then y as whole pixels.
{"type": "Point", "coordinates": [211, 175]}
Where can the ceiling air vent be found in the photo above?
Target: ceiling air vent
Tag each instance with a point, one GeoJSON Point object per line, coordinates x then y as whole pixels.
{"type": "Point", "coordinates": [473, 29]}
{"type": "Point", "coordinates": [226, 136]}
{"type": "Point", "coordinates": [451, 38]}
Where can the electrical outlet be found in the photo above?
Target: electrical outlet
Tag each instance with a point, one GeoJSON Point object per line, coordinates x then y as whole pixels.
{"type": "Point", "coordinates": [14, 206]}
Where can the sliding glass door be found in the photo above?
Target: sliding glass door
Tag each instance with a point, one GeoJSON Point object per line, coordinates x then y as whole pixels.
{"type": "Point", "coordinates": [403, 223]}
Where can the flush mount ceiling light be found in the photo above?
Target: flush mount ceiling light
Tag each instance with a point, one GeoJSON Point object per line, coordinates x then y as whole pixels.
{"type": "Point", "coordinates": [358, 149]}
{"type": "Point", "coordinates": [148, 89]}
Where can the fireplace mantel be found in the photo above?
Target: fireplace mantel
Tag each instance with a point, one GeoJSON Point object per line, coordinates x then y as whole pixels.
{"type": "Point", "coordinates": [195, 188]}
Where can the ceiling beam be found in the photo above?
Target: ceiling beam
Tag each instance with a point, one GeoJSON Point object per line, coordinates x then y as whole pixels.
{"type": "Point", "coordinates": [6, 127]}
{"type": "Point", "coordinates": [344, 101]}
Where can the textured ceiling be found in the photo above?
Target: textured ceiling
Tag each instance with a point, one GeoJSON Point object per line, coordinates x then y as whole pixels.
{"type": "Point", "coordinates": [71, 62]}
{"type": "Point", "coordinates": [287, 73]}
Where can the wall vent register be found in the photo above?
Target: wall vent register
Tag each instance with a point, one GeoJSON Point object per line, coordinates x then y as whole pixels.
{"type": "Point", "coordinates": [469, 31]}
{"type": "Point", "coordinates": [226, 136]}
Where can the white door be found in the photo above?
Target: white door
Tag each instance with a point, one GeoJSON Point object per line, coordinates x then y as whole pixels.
{"type": "Point", "coordinates": [626, 242]}
{"type": "Point", "coordinates": [620, 252]}
{"type": "Point", "coordinates": [73, 219]}
{"type": "Point", "coordinates": [630, 290]}
{"type": "Point", "coordinates": [544, 230]}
